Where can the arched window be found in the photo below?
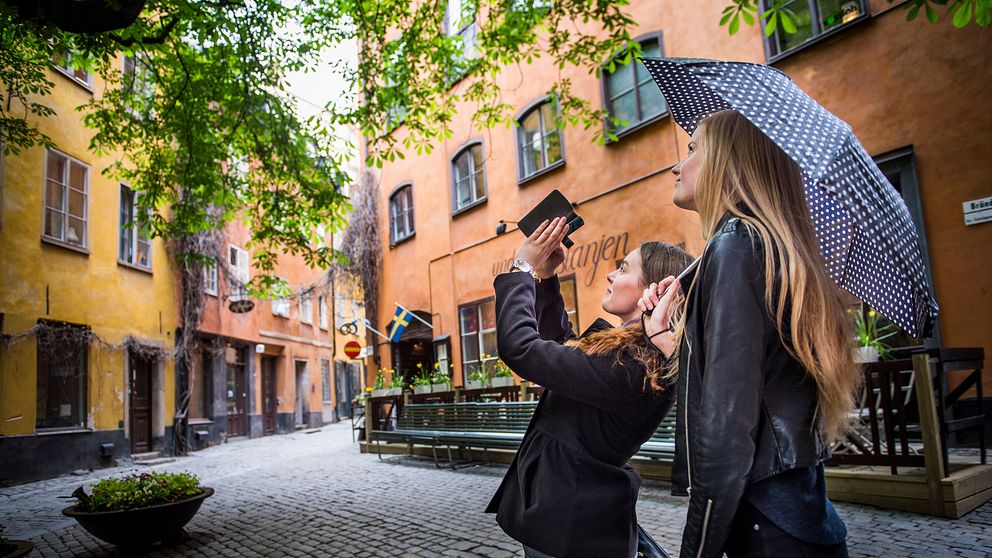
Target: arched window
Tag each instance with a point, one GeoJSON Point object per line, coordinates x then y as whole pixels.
{"type": "Point", "coordinates": [468, 178]}
{"type": "Point", "coordinates": [630, 94]}
{"type": "Point", "coordinates": [401, 214]}
{"type": "Point", "coordinates": [539, 144]}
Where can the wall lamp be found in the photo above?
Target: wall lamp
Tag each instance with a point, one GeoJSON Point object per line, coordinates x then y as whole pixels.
{"type": "Point", "coordinates": [501, 226]}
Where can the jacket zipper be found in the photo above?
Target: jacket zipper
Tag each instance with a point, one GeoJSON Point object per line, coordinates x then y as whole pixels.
{"type": "Point", "coordinates": [706, 524]}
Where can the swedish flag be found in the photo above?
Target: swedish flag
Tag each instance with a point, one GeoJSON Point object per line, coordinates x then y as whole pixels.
{"type": "Point", "coordinates": [400, 320]}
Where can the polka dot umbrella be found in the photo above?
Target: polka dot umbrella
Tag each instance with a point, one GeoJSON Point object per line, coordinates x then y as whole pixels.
{"type": "Point", "coordinates": [866, 234]}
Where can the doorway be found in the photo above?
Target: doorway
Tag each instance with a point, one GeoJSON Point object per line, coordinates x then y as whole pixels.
{"type": "Point", "coordinates": [269, 401]}
{"type": "Point", "coordinates": [347, 384]}
{"type": "Point", "coordinates": [141, 403]}
{"type": "Point", "coordinates": [237, 391]}
{"type": "Point", "coordinates": [302, 407]}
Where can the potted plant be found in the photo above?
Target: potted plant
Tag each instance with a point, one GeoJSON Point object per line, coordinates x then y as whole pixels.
{"type": "Point", "coordinates": [868, 335]}
{"type": "Point", "coordinates": [502, 376]}
{"type": "Point", "coordinates": [10, 548]}
{"type": "Point", "coordinates": [477, 380]}
{"type": "Point", "coordinates": [135, 511]}
{"type": "Point", "coordinates": [397, 383]}
{"type": "Point", "coordinates": [422, 382]}
{"type": "Point", "coordinates": [440, 380]}
{"type": "Point", "coordinates": [379, 385]}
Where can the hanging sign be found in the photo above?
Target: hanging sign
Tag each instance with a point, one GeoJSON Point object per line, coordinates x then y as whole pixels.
{"type": "Point", "coordinates": [352, 349]}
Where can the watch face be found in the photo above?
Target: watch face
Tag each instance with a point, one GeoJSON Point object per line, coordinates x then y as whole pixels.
{"type": "Point", "coordinates": [523, 265]}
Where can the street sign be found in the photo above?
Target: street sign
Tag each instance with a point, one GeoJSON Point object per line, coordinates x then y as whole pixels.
{"type": "Point", "coordinates": [352, 349]}
{"type": "Point", "coordinates": [978, 211]}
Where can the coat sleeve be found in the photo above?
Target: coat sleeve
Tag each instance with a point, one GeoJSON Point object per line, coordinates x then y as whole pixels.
{"type": "Point", "coordinates": [596, 380]}
{"type": "Point", "coordinates": [552, 320]}
{"type": "Point", "coordinates": [724, 426]}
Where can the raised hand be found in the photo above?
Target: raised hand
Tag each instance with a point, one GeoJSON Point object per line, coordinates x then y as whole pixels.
{"type": "Point", "coordinates": [543, 247]}
{"type": "Point", "coordinates": [658, 304]}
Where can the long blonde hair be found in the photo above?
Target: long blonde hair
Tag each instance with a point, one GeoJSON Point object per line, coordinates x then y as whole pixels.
{"type": "Point", "coordinates": [745, 173]}
{"type": "Point", "coordinates": [658, 260]}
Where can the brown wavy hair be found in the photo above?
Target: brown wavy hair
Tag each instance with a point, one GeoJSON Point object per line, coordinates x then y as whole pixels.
{"type": "Point", "coordinates": [658, 260]}
{"type": "Point", "coordinates": [745, 173]}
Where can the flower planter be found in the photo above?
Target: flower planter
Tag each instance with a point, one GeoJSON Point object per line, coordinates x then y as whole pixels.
{"type": "Point", "coordinates": [387, 392]}
{"type": "Point", "coordinates": [865, 354]}
{"type": "Point", "coordinates": [502, 381]}
{"type": "Point", "coordinates": [474, 384]}
{"type": "Point", "coordinates": [138, 528]}
{"type": "Point", "coordinates": [440, 388]}
{"type": "Point", "coordinates": [422, 389]}
{"type": "Point", "coordinates": [15, 549]}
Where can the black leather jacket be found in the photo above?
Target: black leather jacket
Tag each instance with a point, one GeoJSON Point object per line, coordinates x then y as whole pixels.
{"type": "Point", "coordinates": [746, 407]}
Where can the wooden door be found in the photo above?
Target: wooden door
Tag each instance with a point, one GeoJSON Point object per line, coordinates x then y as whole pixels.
{"type": "Point", "coordinates": [141, 404]}
{"type": "Point", "coordinates": [237, 400]}
{"type": "Point", "coordinates": [269, 403]}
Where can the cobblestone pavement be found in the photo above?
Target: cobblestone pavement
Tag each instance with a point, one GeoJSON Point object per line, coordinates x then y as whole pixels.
{"type": "Point", "coordinates": [315, 495]}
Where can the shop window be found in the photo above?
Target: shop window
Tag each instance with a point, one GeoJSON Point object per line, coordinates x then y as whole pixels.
{"type": "Point", "coordinates": [813, 19]}
{"type": "Point", "coordinates": [66, 199]}
{"type": "Point", "coordinates": [468, 177]}
{"type": "Point", "coordinates": [135, 248]}
{"type": "Point", "coordinates": [61, 381]}
{"type": "Point", "coordinates": [401, 214]}
{"type": "Point", "coordinates": [539, 145]}
{"type": "Point", "coordinates": [478, 330]}
{"type": "Point", "coordinates": [630, 94]}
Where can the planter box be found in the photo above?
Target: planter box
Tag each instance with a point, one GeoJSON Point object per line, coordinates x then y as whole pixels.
{"type": "Point", "coordinates": [387, 392]}
{"type": "Point", "coordinates": [440, 388]}
{"type": "Point", "coordinates": [132, 530]}
{"type": "Point", "coordinates": [502, 381]}
{"type": "Point", "coordinates": [865, 354]}
{"type": "Point", "coordinates": [474, 384]}
{"type": "Point", "coordinates": [422, 389]}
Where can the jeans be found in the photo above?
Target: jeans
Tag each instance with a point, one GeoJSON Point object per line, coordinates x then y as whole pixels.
{"type": "Point", "coordinates": [752, 535]}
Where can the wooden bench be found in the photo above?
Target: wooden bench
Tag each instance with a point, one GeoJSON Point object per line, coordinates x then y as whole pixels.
{"type": "Point", "coordinates": [485, 426]}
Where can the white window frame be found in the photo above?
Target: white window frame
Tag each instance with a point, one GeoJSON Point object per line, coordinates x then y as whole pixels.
{"type": "Point", "coordinates": [64, 210]}
{"type": "Point", "coordinates": [239, 272]}
{"type": "Point", "coordinates": [476, 174]}
{"type": "Point", "coordinates": [210, 278]}
{"type": "Point", "coordinates": [137, 236]}
{"type": "Point", "coordinates": [137, 75]}
{"type": "Point", "coordinates": [543, 132]}
{"type": "Point", "coordinates": [280, 304]}
{"type": "Point", "coordinates": [401, 219]}
{"type": "Point", "coordinates": [306, 308]}
{"type": "Point", "coordinates": [322, 312]}
{"type": "Point", "coordinates": [465, 27]}
{"type": "Point", "coordinates": [69, 71]}
{"type": "Point", "coordinates": [479, 335]}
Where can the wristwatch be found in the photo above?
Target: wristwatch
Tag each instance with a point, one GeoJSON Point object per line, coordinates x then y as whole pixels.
{"type": "Point", "coordinates": [524, 265]}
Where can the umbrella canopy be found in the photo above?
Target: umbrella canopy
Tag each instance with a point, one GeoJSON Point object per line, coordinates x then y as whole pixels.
{"type": "Point", "coordinates": [867, 236]}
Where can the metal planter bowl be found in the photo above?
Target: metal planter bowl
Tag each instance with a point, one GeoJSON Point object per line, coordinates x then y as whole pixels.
{"type": "Point", "coordinates": [141, 527]}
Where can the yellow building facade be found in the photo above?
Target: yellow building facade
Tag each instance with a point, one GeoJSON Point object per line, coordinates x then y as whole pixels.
{"type": "Point", "coordinates": [87, 306]}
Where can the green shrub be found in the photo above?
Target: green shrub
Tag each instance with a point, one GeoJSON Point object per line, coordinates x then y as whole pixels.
{"type": "Point", "coordinates": [139, 491]}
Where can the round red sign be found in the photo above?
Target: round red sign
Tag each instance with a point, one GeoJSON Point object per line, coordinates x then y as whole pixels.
{"type": "Point", "coordinates": [352, 349]}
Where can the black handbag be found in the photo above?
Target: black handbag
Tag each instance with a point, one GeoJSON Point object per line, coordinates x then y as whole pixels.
{"type": "Point", "coordinates": [648, 547]}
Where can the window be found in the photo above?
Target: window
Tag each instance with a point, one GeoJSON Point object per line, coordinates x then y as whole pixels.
{"type": "Point", "coordinates": [134, 248]}
{"type": "Point", "coordinates": [567, 289]}
{"type": "Point", "coordinates": [200, 379]}
{"type": "Point", "coordinates": [280, 304]}
{"type": "Point", "coordinates": [813, 18]}
{"type": "Point", "coordinates": [322, 312]}
{"type": "Point", "coordinates": [538, 139]}
{"type": "Point", "coordinates": [631, 94]}
{"type": "Point", "coordinates": [237, 273]}
{"type": "Point", "coordinates": [63, 63]}
{"type": "Point", "coordinates": [401, 214]}
{"type": "Point", "coordinates": [478, 330]}
{"type": "Point", "coordinates": [66, 193]}
{"type": "Point", "coordinates": [210, 277]}
{"type": "Point", "coordinates": [306, 308]}
{"type": "Point", "coordinates": [61, 395]}
{"type": "Point", "coordinates": [325, 377]}
{"type": "Point", "coordinates": [468, 175]}
{"type": "Point", "coordinates": [136, 81]}
{"type": "Point", "coordinates": [459, 21]}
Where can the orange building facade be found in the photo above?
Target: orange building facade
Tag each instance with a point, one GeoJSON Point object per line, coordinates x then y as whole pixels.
{"type": "Point", "coordinates": [908, 89]}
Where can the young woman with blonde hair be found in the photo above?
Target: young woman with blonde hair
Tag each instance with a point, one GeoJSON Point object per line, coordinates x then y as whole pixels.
{"type": "Point", "coordinates": [569, 491]}
{"type": "Point", "coordinates": [764, 361]}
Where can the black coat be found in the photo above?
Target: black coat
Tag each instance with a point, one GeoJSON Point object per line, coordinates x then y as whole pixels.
{"type": "Point", "coordinates": [569, 491]}
{"type": "Point", "coordinates": [746, 405]}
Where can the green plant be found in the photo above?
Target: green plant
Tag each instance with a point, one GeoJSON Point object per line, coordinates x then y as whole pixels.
{"type": "Point", "coordinates": [868, 332]}
{"type": "Point", "coordinates": [423, 377]}
{"type": "Point", "coordinates": [138, 491]}
{"type": "Point", "coordinates": [502, 370]}
{"type": "Point", "coordinates": [397, 379]}
{"type": "Point", "coordinates": [480, 375]}
{"type": "Point", "coordinates": [439, 376]}
{"type": "Point", "coordinates": [380, 381]}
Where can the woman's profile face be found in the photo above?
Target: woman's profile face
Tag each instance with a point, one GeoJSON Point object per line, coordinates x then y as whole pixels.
{"type": "Point", "coordinates": [686, 172]}
{"type": "Point", "coordinates": [625, 289]}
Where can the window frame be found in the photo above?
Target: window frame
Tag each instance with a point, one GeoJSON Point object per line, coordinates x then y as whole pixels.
{"type": "Point", "coordinates": [462, 151]}
{"type": "Point", "coordinates": [322, 311]}
{"type": "Point", "coordinates": [235, 272]}
{"type": "Point", "coordinates": [306, 308]}
{"type": "Point", "coordinates": [279, 302]}
{"type": "Point", "coordinates": [398, 190]}
{"type": "Point", "coordinates": [607, 103]}
{"type": "Point", "coordinates": [135, 232]}
{"type": "Point", "coordinates": [43, 360]}
{"type": "Point", "coordinates": [479, 335]}
{"type": "Point", "coordinates": [771, 45]}
{"type": "Point", "coordinates": [471, 28]}
{"type": "Point", "coordinates": [211, 277]}
{"type": "Point", "coordinates": [69, 71]}
{"type": "Point", "coordinates": [85, 246]}
{"type": "Point", "coordinates": [518, 143]}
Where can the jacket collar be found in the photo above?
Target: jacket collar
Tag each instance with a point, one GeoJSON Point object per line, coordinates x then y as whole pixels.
{"type": "Point", "coordinates": [726, 223]}
{"type": "Point", "coordinates": [599, 325]}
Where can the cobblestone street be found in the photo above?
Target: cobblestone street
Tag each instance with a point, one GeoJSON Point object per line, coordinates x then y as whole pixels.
{"type": "Point", "coordinates": [315, 495]}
